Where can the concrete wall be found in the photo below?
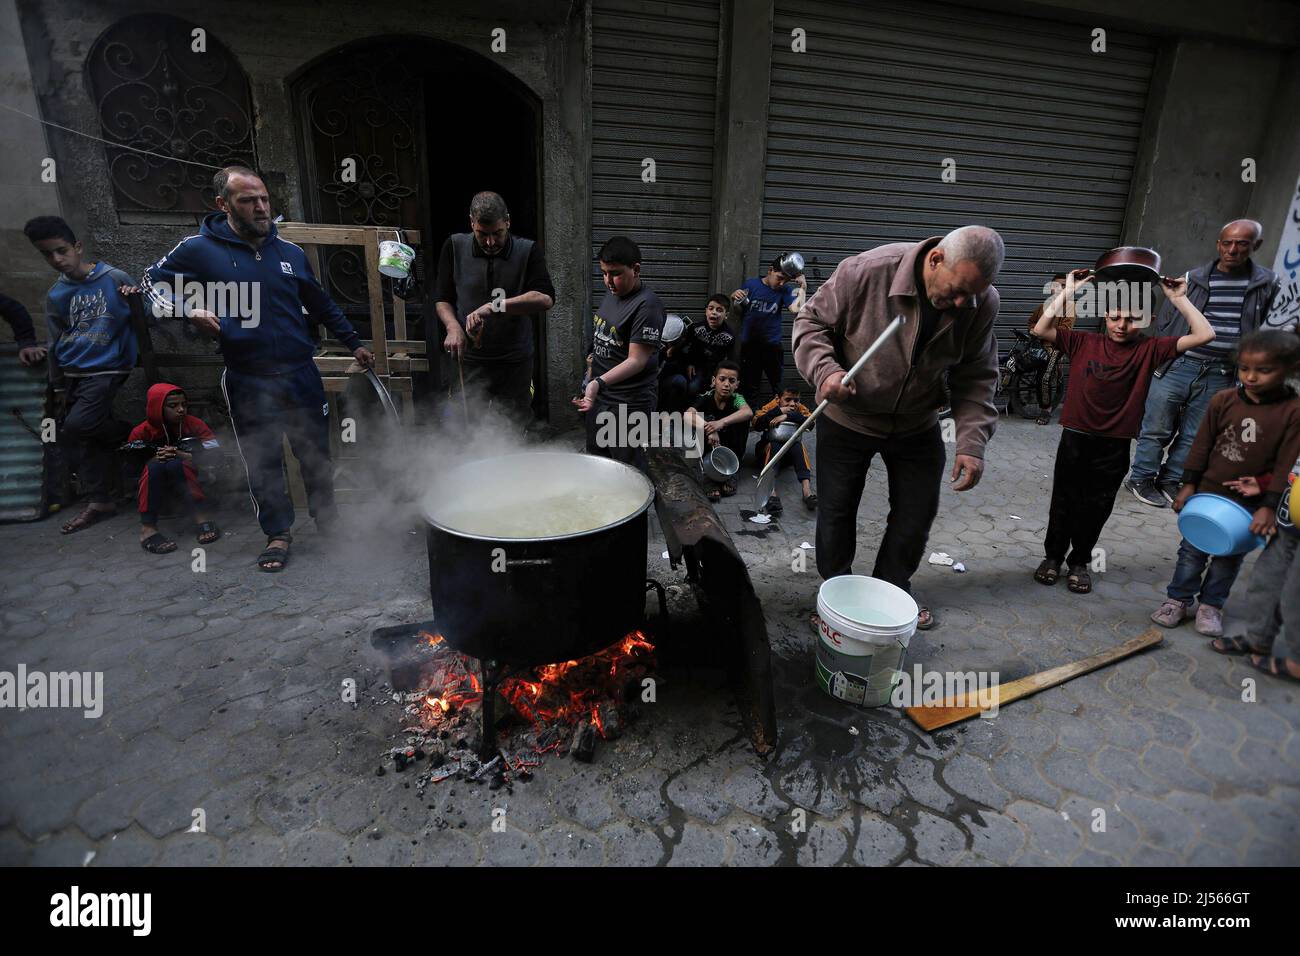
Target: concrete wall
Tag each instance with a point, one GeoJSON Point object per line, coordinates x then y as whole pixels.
{"type": "Point", "coordinates": [1279, 158]}
{"type": "Point", "coordinates": [546, 49]}
{"type": "Point", "coordinates": [739, 163]}
{"type": "Point", "coordinates": [1212, 107]}
{"type": "Point", "coordinates": [23, 273]}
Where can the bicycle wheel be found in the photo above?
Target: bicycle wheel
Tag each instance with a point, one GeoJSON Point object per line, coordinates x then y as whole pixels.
{"type": "Point", "coordinates": [1000, 390]}
{"type": "Point", "coordinates": [1052, 387]}
{"type": "Point", "coordinates": [1023, 395]}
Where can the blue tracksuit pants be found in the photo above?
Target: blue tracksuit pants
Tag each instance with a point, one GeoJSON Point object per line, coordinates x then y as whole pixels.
{"type": "Point", "coordinates": [266, 409]}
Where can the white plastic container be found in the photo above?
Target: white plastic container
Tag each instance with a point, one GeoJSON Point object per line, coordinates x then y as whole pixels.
{"type": "Point", "coordinates": [863, 628]}
{"type": "Point", "coordinates": [395, 258]}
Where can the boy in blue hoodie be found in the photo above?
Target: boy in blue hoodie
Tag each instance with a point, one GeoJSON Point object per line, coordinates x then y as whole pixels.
{"type": "Point", "coordinates": [240, 283]}
{"type": "Point", "coordinates": [92, 350]}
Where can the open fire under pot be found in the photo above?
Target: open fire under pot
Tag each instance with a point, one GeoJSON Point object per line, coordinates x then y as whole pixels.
{"type": "Point", "coordinates": [537, 562]}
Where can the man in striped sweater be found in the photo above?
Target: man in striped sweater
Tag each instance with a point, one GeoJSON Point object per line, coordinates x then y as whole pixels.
{"type": "Point", "coordinates": [1235, 294]}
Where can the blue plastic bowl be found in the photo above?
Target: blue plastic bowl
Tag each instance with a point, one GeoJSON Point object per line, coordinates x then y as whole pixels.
{"type": "Point", "coordinates": [1217, 525]}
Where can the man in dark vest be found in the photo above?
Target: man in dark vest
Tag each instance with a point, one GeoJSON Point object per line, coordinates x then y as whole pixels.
{"type": "Point", "coordinates": [489, 283]}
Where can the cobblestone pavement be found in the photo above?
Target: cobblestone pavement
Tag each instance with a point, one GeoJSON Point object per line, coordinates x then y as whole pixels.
{"type": "Point", "coordinates": [223, 693]}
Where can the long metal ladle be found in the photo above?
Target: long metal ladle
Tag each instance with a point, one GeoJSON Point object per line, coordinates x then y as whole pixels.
{"type": "Point", "coordinates": [767, 477]}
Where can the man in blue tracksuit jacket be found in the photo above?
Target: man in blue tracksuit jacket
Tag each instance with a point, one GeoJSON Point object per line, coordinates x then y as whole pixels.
{"type": "Point", "coordinates": [238, 282]}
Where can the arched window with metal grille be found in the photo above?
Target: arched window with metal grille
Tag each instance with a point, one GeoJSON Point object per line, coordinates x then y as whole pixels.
{"type": "Point", "coordinates": [174, 105]}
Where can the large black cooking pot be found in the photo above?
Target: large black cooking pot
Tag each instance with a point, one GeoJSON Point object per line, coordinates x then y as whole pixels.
{"type": "Point", "coordinates": [537, 598]}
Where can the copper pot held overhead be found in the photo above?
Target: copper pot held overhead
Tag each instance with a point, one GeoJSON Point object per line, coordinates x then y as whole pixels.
{"type": "Point", "coordinates": [1129, 264]}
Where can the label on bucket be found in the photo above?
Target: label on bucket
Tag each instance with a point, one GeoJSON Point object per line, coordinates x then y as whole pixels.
{"type": "Point", "coordinates": [870, 689]}
{"type": "Point", "coordinates": [842, 643]}
{"type": "Point", "coordinates": [849, 688]}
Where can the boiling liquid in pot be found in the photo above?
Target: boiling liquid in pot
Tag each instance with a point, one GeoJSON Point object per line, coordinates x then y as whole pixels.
{"type": "Point", "coordinates": [525, 514]}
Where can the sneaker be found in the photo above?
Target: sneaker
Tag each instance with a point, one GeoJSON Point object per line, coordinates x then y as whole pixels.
{"type": "Point", "coordinates": [1147, 493]}
{"type": "Point", "coordinates": [1169, 489]}
{"type": "Point", "coordinates": [1172, 613]}
{"type": "Point", "coordinates": [1209, 621]}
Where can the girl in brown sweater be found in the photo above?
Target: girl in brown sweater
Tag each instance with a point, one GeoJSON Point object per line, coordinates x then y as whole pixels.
{"type": "Point", "coordinates": [1244, 450]}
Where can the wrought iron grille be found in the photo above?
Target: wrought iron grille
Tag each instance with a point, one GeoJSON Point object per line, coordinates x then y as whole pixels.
{"type": "Point", "coordinates": [361, 114]}
{"type": "Point", "coordinates": [170, 87]}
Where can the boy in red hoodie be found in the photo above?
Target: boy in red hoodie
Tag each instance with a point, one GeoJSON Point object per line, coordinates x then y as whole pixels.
{"type": "Point", "coordinates": [171, 469]}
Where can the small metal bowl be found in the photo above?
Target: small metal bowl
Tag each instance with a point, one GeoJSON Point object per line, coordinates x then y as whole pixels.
{"type": "Point", "coordinates": [782, 433]}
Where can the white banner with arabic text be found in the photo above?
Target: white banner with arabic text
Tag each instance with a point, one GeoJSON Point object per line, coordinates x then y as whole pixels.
{"type": "Point", "coordinates": [1286, 307]}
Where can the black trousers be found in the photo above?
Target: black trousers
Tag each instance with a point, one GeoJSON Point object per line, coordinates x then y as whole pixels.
{"type": "Point", "coordinates": [760, 360]}
{"type": "Point", "coordinates": [598, 444]}
{"type": "Point", "coordinates": [797, 457]}
{"type": "Point", "coordinates": [163, 484]}
{"type": "Point", "coordinates": [914, 465]}
{"type": "Point", "coordinates": [506, 385]}
{"type": "Point", "coordinates": [674, 393]}
{"type": "Point", "coordinates": [89, 435]}
{"type": "Point", "coordinates": [1089, 471]}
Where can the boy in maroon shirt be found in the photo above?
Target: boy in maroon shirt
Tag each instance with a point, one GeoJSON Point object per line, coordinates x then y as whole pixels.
{"type": "Point", "coordinates": [1110, 374]}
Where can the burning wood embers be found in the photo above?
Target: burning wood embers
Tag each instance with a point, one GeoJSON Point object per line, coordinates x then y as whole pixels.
{"type": "Point", "coordinates": [551, 709]}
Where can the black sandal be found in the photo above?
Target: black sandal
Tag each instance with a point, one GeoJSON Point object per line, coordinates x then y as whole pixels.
{"type": "Point", "coordinates": [157, 543]}
{"type": "Point", "coordinates": [728, 489]}
{"type": "Point", "coordinates": [930, 625]}
{"type": "Point", "coordinates": [207, 532]}
{"type": "Point", "coordinates": [1049, 572]}
{"type": "Point", "coordinates": [1272, 665]}
{"type": "Point", "coordinates": [713, 493]}
{"type": "Point", "coordinates": [1233, 645]}
{"type": "Point", "coordinates": [1079, 580]}
{"type": "Point", "coordinates": [810, 501]}
{"type": "Point", "coordinates": [275, 556]}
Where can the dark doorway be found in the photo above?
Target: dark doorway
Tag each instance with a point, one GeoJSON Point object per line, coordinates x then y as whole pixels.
{"type": "Point", "coordinates": [482, 134]}
{"type": "Point", "coordinates": [429, 125]}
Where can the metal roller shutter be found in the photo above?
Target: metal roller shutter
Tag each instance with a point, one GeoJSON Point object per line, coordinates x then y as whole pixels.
{"type": "Point", "coordinates": [1043, 131]}
{"type": "Point", "coordinates": [653, 93]}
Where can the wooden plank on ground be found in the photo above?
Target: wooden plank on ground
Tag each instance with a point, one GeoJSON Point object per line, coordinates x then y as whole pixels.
{"type": "Point", "coordinates": [954, 711]}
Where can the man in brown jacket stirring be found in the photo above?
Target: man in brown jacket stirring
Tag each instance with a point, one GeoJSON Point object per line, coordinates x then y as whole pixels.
{"type": "Point", "coordinates": [943, 287]}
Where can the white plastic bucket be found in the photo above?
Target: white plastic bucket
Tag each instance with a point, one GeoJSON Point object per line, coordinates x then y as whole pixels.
{"type": "Point", "coordinates": [863, 628]}
{"type": "Point", "coordinates": [395, 259]}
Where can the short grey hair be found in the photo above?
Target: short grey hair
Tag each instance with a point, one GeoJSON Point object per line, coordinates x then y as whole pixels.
{"type": "Point", "coordinates": [486, 208]}
{"type": "Point", "coordinates": [977, 244]}
{"type": "Point", "coordinates": [1255, 225]}
{"type": "Point", "coordinates": [221, 181]}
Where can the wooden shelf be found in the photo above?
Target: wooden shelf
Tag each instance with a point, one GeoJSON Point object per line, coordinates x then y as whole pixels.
{"type": "Point", "coordinates": [396, 358]}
